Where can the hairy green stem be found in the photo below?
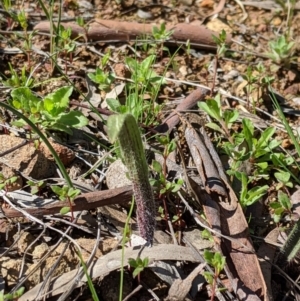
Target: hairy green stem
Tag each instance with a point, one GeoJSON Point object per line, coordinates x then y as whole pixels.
{"type": "Point", "coordinates": [125, 129]}
{"type": "Point", "coordinates": [292, 245]}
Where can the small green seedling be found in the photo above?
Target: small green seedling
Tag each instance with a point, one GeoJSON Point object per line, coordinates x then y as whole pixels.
{"type": "Point", "coordinates": [139, 265]}
{"type": "Point", "coordinates": [142, 73]}
{"type": "Point", "coordinates": [205, 234]}
{"type": "Point", "coordinates": [217, 261]}
{"type": "Point", "coordinates": [66, 193]}
{"type": "Point", "coordinates": [161, 33]}
{"type": "Point", "coordinates": [102, 78]}
{"type": "Point", "coordinates": [221, 43]}
{"type": "Point", "coordinates": [14, 296]}
{"type": "Point", "coordinates": [281, 51]}
{"type": "Point", "coordinates": [5, 183]}
{"type": "Point", "coordinates": [249, 196]}
{"type": "Point", "coordinates": [35, 187]}
{"type": "Point", "coordinates": [225, 118]}
{"type": "Point", "coordinates": [64, 42]}
{"type": "Point", "coordinates": [161, 182]}
{"type": "Point", "coordinates": [16, 80]}
{"type": "Point", "coordinates": [281, 207]}
{"type": "Point", "coordinates": [49, 113]}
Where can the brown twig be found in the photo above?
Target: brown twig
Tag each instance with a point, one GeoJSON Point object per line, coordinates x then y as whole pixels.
{"type": "Point", "coordinates": [109, 30]}
{"type": "Point", "coordinates": [85, 201]}
{"type": "Point", "coordinates": [189, 102]}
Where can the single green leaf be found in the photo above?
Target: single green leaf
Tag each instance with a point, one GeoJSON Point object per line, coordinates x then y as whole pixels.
{"type": "Point", "coordinates": [248, 130]}
{"type": "Point", "coordinates": [275, 205]}
{"type": "Point", "coordinates": [113, 104]}
{"type": "Point", "coordinates": [176, 188]}
{"type": "Point", "coordinates": [73, 119]}
{"type": "Point", "coordinates": [265, 137]}
{"type": "Point", "coordinates": [231, 116]}
{"type": "Point", "coordinates": [282, 176]}
{"type": "Point", "coordinates": [211, 107]}
{"type": "Point", "coordinates": [137, 271]}
{"type": "Point", "coordinates": [145, 261]}
{"type": "Point", "coordinates": [57, 190]}
{"type": "Point", "coordinates": [284, 200]}
{"type": "Point", "coordinates": [132, 262]}
{"type": "Point", "coordinates": [209, 277]}
{"type": "Point", "coordinates": [156, 166]}
{"type": "Point", "coordinates": [147, 63]}
{"type": "Point", "coordinates": [214, 127]}
{"type": "Point", "coordinates": [208, 256]}
{"type": "Point", "coordinates": [64, 210]}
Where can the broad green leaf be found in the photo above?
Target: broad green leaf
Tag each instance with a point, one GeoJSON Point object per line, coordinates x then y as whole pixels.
{"type": "Point", "coordinates": [58, 101]}
{"type": "Point", "coordinates": [205, 234]}
{"type": "Point", "coordinates": [208, 256]}
{"type": "Point", "coordinates": [72, 193]}
{"type": "Point", "coordinates": [19, 123]}
{"type": "Point", "coordinates": [145, 261]}
{"type": "Point", "coordinates": [113, 104]}
{"type": "Point", "coordinates": [13, 179]}
{"type": "Point", "coordinates": [274, 143]}
{"type": "Point", "coordinates": [73, 119]}
{"type": "Point", "coordinates": [58, 127]}
{"type": "Point", "coordinates": [209, 277]}
{"type": "Point", "coordinates": [282, 176]}
{"type": "Point", "coordinates": [176, 187]}
{"type": "Point", "coordinates": [255, 193]}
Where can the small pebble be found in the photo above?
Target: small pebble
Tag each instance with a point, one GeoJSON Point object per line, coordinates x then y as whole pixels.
{"type": "Point", "coordinates": [144, 14]}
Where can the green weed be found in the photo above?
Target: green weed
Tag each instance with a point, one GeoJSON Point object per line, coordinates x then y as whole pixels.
{"type": "Point", "coordinates": [66, 193]}
{"type": "Point", "coordinates": [217, 261]}
{"type": "Point", "coordinates": [281, 51]}
{"type": "Point", "coordinates": [14, 296]}
{"type": "Point", "coordinates": [48, 113]}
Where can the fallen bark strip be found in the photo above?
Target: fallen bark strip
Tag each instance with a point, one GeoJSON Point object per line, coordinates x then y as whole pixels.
{"type": "Point", "coordinates": [113, 261]}
{"type": "Point", "coordinates": [112, 30]}
{"type": "Point", "coordinates": [246, 278]}
{"type": "Point", "coordinates": [189, 102]}
{"type": "Point", "coordinates": [85, 201]}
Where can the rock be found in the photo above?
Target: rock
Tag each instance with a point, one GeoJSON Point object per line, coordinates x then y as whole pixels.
{"type": "Point", "coordinates": [198, 242]}
{"type": "Point", "coordinates": [26, 158]}
{"type": "Point", "coordinates": [116, 175]}
{"type": "Point", "coordinates": [40, 250]}
{"type": "Point", "coordinates": [10, 268]}
{"type": "Point", "coordinates": [24, 239]}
